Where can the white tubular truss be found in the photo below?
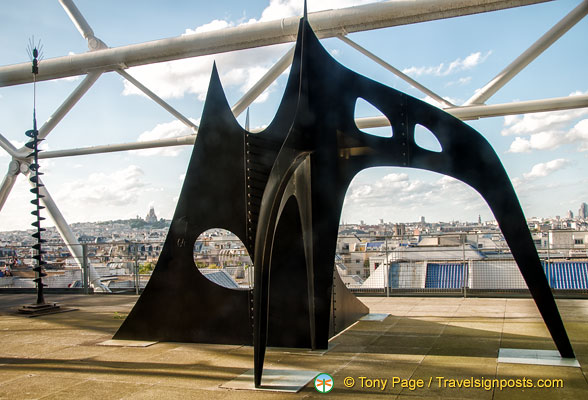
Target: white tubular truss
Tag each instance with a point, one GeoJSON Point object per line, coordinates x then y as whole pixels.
{"type": "Point", "coordinates": [325, 24]}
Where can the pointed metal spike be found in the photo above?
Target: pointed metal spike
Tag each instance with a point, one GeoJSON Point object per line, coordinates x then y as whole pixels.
{"type": "Point", "coordinates": [305, 16]}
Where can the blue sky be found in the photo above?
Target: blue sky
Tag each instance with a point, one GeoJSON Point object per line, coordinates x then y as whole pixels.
{"type": "Point", "coordinates": [545, 154]}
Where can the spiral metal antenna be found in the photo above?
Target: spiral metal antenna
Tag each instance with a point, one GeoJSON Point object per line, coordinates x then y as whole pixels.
{"type": "Point", "coordinates": [33, 144]}
{"type": "Point", "coordinates": [35, 51]}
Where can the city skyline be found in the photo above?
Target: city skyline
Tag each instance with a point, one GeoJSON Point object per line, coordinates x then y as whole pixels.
{"type": "Point", "coordinates": [151, 218]}
{"type": "Point", "coordinates": [544, 153]}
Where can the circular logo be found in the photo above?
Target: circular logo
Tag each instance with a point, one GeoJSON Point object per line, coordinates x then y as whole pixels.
{"type": "Point", "coordinates": [323, 383]}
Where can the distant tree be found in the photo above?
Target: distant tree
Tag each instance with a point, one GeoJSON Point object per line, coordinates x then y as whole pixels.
{"type": "Point", "coordinates": [146, 268]}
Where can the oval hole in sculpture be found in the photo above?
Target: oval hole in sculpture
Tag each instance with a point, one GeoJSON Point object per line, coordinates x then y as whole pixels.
{"type": "Point", "coordinates": [364, 108]}
{"type": "Point", "coordinates": [223, 259]}
{"type": "Point", "coordinates": [391, 218]}
{"type": "Point", "coordinates": [425, 139]}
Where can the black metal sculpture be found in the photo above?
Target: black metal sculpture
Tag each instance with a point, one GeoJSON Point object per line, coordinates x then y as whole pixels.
{"type": "Point", "coordinates": [40, 307]}
{"type": "Point", "coordinates": [282, 190]}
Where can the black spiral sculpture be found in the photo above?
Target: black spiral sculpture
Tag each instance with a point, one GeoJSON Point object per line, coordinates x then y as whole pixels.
{"type": "Point", "coordinates": [34, 175]}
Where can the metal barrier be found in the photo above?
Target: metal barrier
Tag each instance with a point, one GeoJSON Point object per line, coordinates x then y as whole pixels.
{"type": "Point", "coordinates": [391, 266]}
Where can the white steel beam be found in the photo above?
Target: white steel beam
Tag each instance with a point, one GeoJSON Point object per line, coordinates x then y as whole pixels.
{"type": "Point", "coordinates": [110, 148]}
{"type": "Point", "coordinates": [9, 147]}
{"type": "Point", "coordinates": [82, 25]}
{"type": "Point", "coordinates": [68, 104]}
{"type": "Point", "coordinates": [494, 110]}
{"type": "Point", "coordinates": [557, 31]}
{"type": "Point", "coordinates": [463, 113]}
{"type": "Point", "coordinates": [8, 181]}
{"type": "Point", "coordinates": [77, 18]}
{"type": "Point", "coordinates": [271, 75]}
{"type": "Point", "coordinates": [395, 71]}
{"type": "Point", "coordinates": [63, 109]}
{"type": "Point", "coordinates": [158, 100]}
{"type": "Point", "coordinates": [96, 44]}
{"type": "Point", "coordinates": [325, 23]}
{"type": "Point", "coordinates": [6, 187]}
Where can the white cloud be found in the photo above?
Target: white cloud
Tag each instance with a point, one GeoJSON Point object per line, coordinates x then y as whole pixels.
{"type": "Point", "coordinates": [397, 190]}
{"type": "Point", "coordinates": [455, 66]}
{"type": "Point", "coordinates": [118, 189]}
{"type": "Point", "coordinates": [528, 124]}
{"type": "Point", "coordinates": [211, 26]}
{"type": "Point", "coordinates": [579, 134]}
{"type": "Point", "coordinates": [547, 130]}
{"type": "Point", "coordinates": [459, 82]}
{"type": "Point", "coordinates": [288, 8]}
{"type": "Point", "coordinates": [164, 131]}
{"type": "Point", "coordinates": [540, 122]}
{"type": "Point", "coordinates": [544, 169]}
{"type": "Point", "coordinates": [549, 140]}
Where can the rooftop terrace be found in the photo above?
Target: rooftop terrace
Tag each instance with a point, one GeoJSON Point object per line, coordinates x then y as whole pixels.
{"type": "Point", "coordinates": [59, 356]}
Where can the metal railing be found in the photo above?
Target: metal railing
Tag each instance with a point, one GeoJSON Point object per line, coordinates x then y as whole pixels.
{"type": "Point", "coordinates": [458, 265]}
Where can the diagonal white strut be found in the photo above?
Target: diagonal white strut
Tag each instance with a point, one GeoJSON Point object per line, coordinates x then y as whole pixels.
{"type": "Point", "coordinates": [530, 54]}
{"type": "Point", "coordinates": [95, 44]}
{"type": "Point", "coordinates": [395, 71]}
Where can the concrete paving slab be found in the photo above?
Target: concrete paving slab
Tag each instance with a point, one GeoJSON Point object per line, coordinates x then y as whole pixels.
{"type": "Point", "coordinates": [566, 383]}
{"type": "Point", "coordinates": [375, 317]}
{"type": "Point", "coordinates": [126, 343]}
{"type": "Point", "coordinates": [535, 357]}
{"type": "Point", "coordinates": [276, 380]}
{"type": "Point", "coordinates": [61, 351]}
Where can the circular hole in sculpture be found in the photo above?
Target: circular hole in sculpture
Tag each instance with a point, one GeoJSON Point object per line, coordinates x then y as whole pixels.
{"type": "Point", "coordinates": [223, 259]}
